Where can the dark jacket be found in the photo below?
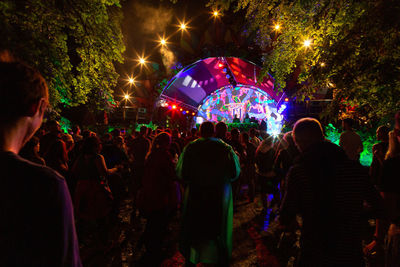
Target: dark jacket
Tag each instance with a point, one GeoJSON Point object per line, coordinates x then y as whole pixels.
{"type": "Point", "coordinates": [329, 191]}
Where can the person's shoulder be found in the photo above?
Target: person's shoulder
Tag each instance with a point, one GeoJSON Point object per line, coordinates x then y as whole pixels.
{"type": "Point", "coordinates": [355, 134]}
{"type": "Point", "coordinates": [195, 142]}
{"type": "Point", "coordinates": [45, 171]}
{"type": "Point", "coordinates": [219, 142]}
{"type": "Point", "coordinates": [350, 134]}
{"type": "Point", "coordinates": [380, 145]}
{"type": "Point", "coordinates": [350, 168]}
{"type": "Point", "coordinates": [297, 173]}
{"type": "Point", "coordinates": [18, 165]}
{"type": "Point", "coordinates": [229, 149]}
{"type": "Point", "coordinates": [209, 141]}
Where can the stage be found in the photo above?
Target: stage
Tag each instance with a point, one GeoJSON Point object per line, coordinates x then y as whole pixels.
{"type": "Point", "coordinates": [226, 89]}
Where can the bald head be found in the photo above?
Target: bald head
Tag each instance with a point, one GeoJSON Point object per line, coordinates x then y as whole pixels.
{"type": "Point", "coordinates": [306, 132]}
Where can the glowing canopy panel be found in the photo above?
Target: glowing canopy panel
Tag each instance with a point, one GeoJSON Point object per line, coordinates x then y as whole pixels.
{"type": "Point", "coordinates": [222, 88]}
{"type": "Point", "coordinates": [198, 80]}
{"type": "Point", "coordinates": [241, 102]}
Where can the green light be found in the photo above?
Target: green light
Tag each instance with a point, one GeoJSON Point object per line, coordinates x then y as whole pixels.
{"type": "Point", "coordinates": [65, 124]}
{"type": "Point", "coordinates": [333, 134]}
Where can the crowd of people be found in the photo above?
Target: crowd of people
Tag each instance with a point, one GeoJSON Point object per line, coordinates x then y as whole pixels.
{"type": "Point", "coordinates": [308, 182]}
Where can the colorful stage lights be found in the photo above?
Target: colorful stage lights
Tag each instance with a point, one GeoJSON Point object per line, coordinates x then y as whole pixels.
{"type": "Point", "coordinates": [176, 108]}
{"type": "Point", "coordinates": [282, 108]}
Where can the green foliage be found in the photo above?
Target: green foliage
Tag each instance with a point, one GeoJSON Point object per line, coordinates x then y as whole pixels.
{"type": "Point", "coordinates": [72, 42]}
{"type": "Point", "coordinates": [149, 125]}
{"type": "Point", "coordinates": [332, 134]}
{"type": "Point", "coordinates": [367, 137]}
{"type": "Point", "coordinates": [65, 124]}
{"type": "Point", "coordinates": [131, 128]}
{"type": "Point", "coordinates": [357, 42]}
{"type": "Point", "coordinates": [243, 127]}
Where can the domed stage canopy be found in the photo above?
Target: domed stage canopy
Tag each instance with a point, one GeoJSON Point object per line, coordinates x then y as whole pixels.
{"type": "Point", "coordinates": [225, 88]}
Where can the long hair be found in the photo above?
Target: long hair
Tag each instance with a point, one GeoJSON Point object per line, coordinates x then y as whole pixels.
{"type": "Point", "coordinates": [161, 141]}
{"type": "Point", "coordinates": [394, 146]}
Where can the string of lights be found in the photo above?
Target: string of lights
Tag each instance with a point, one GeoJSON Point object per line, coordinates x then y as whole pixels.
{"type": "Point", "coordinates": [182, 27]}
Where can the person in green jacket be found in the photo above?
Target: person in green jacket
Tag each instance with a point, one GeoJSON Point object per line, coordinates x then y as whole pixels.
{"type": "Point", "coordinates": [207, 166]}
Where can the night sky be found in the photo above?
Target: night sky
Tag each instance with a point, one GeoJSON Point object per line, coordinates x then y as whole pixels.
{"type": "Point", "coordinates": [146, 21]}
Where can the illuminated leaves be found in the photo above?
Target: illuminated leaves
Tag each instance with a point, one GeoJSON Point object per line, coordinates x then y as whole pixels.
{"type": "Point", "coordinates": [72, 42]}
{"type": "Point", "coordinates": [357, 41]}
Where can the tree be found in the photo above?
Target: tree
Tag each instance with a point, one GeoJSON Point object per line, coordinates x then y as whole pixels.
{"type": "Point", "coordinates": [74, 44]}
{"type": "Point", "coordinates": [354, 47]}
